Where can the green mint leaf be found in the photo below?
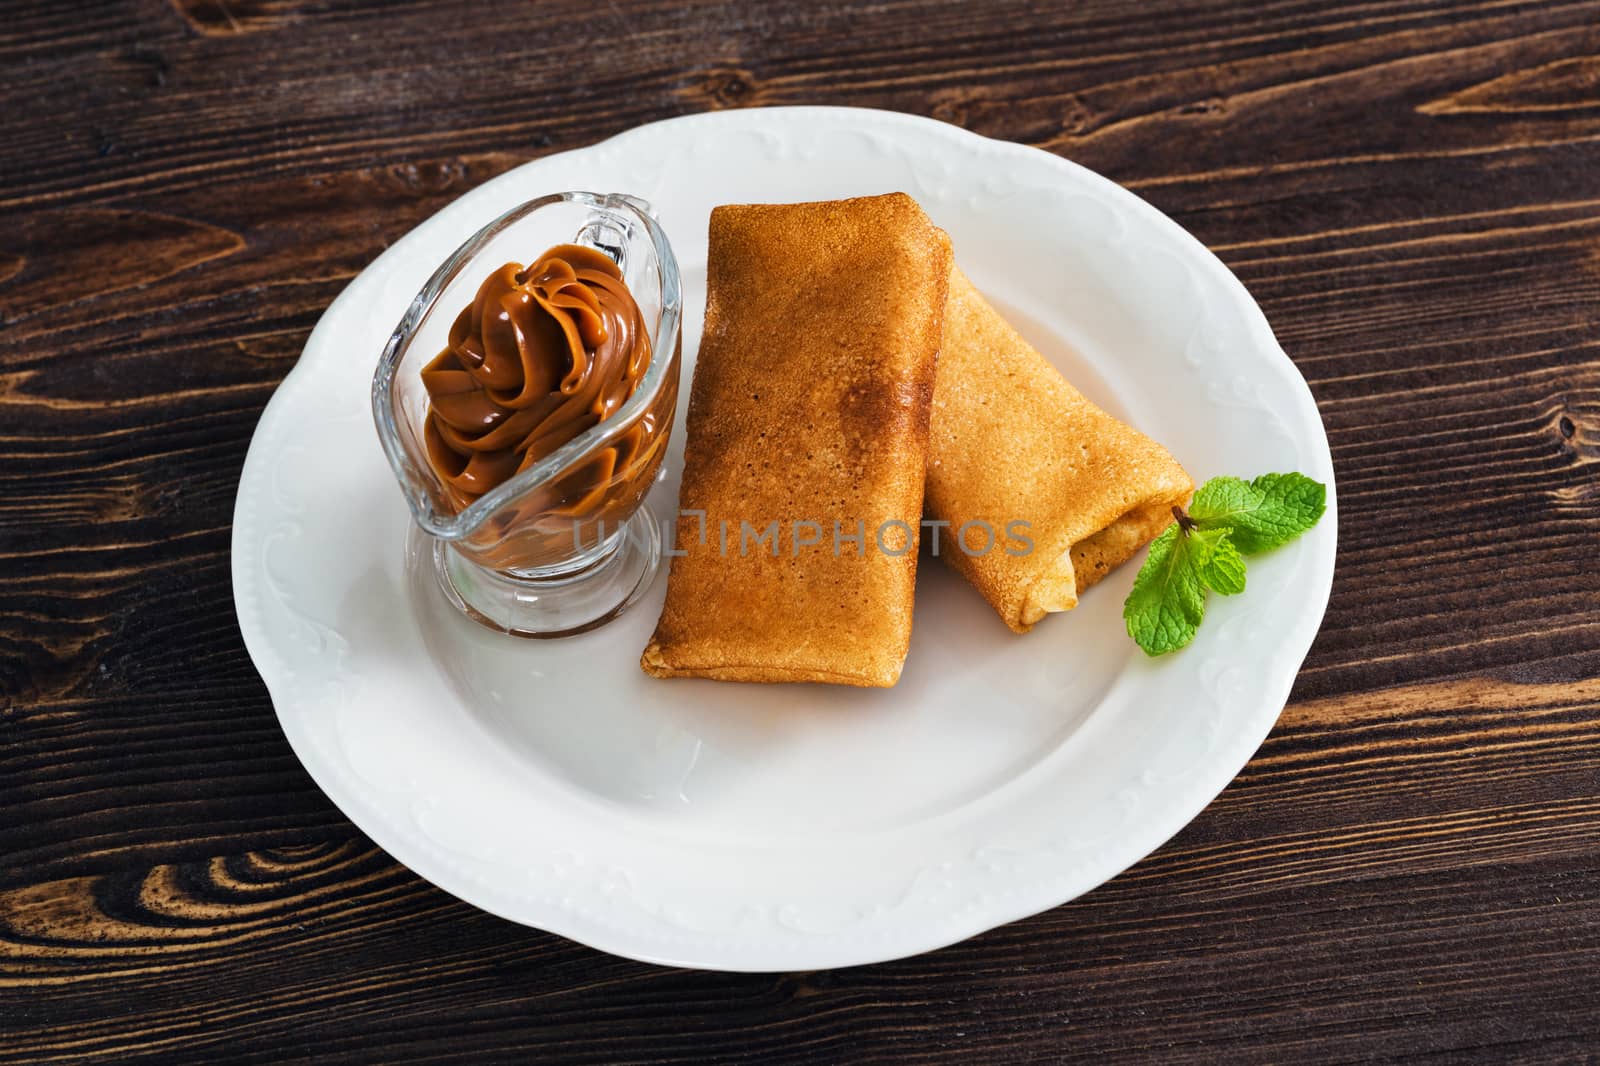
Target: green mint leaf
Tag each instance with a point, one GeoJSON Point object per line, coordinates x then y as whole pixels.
{"type": "Point", "coordinates": [1262, 514]}
{"type": "Point", "coordinates": [1293, 503]}
{"type": "Point", "coordinates": [1222, 499]}
{"type": "Point", "coordinates": [1222, 570]}
{"type": "Point", "coordinates": [1228, 519]}
{"type": "Point", "coordinates": [1168, 600]}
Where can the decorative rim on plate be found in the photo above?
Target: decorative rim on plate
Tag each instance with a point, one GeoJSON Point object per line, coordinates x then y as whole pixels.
{"type": "Point", "coordinates": [1126, 778]}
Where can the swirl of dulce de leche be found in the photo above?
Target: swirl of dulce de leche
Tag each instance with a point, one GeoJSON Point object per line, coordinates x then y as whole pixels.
{"type": "Point", "coordinates": [541, 355]}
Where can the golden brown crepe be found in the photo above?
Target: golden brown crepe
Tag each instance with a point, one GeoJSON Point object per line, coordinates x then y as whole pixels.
{"type": "Point", "coordinates": [810, 404]}
{"type": "Point", "coordinates": [1011, 442]}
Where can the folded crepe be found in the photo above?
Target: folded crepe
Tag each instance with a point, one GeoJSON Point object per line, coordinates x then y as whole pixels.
{"type": "Point", "coordinates": [809, 409]}
{"type": "Point", "coordinates": [1060, 491]}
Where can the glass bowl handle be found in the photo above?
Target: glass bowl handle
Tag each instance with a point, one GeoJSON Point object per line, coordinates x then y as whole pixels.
{"type": "Point", "coordinates": [610, 231]}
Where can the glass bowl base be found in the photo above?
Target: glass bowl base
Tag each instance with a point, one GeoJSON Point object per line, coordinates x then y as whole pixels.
{"type": "Point", "coordinates": [592, 594]}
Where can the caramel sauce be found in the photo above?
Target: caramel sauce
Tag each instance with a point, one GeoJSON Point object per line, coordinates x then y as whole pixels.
{"type": "Point", "coordinates": [542, 354]}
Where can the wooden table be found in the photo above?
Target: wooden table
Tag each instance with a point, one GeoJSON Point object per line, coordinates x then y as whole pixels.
{"type": "Point", "coordinates": [1410, 866]}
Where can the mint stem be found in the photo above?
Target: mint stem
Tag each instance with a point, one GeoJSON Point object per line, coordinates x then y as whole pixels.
{"type": "Point", "coordinates": [1185, 523]}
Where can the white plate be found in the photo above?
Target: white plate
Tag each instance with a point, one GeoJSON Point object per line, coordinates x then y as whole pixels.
{"type": "Point", "coordinates": [744, 827]}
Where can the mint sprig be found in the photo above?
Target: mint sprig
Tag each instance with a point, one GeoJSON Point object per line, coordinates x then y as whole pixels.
{"type": "Point", "coordinates": [1204, 549]}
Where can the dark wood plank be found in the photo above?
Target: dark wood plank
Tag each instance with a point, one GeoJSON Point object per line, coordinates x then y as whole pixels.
{"type": "Point", "coordinates": [1407, 869]}
{"type": "Point", "coordinates": [1462, 898]}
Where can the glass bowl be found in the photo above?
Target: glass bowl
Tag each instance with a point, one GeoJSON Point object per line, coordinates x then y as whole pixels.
{"type": "Point", "coordinates": [565, 544]}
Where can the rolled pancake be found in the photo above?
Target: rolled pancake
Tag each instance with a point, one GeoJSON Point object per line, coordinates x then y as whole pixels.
{"type": "Point", "coordinates": [810, 404]}
{"type": "Point", "coordinates": [1011, 441]}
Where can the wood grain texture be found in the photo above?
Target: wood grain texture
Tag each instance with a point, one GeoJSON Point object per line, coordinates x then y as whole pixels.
{"type": "Point", "coordinates": [1410, 867]}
